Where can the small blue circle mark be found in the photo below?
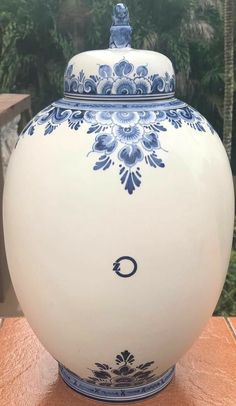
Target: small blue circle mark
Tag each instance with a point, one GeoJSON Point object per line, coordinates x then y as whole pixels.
{"type": "Point", "coordinates": [117, 266]}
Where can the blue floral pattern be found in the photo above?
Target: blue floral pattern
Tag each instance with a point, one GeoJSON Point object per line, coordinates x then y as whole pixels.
{"type": "Point", "coordinates": [131, 136]}
{"type": "Point", "coordinates": [123, 79]}
{"type": "Point", "coordinates": [125, 372]}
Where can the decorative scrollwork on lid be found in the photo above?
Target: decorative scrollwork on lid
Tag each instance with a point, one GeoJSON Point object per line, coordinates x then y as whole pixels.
{"type": "Point", "coordinates": [121, 79]}
{"type": "Point", "coordinates": [120, 30]}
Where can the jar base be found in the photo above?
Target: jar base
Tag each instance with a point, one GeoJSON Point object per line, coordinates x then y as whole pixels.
{"type": "Point", "coordinates": [115, 394]}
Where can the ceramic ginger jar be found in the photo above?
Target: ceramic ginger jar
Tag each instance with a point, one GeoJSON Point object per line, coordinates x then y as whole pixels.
{"type": "Point", "coordinates": [118, 219]}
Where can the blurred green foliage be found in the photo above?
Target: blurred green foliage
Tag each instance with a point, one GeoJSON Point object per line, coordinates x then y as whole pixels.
{"type": "Point", "coordinates": [226, 305]}
{"type": "Point", "coordinates": [38, 37]}
{"type": "Point", "coordinates": [33, 50]}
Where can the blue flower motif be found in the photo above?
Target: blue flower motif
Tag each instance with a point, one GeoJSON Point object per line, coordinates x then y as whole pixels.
{"type": "Point", "coordinates": [104, 143]}
{"type": "Point", "coordinates": [133, 135]}
{"type": "Point", "coordinates": [160, 116]}
{"type": "Point", "coordinates": [128, 135]}
{"type": "Point", "coordinates": [147, 117]}
{"type": "Point", "coordinates": [150, 141]}
{"type": "Point", "coordinates": [105, 86]}
{"type": "Point", "coordinates": [130, 155]}
{"type": "Point", "coordinates": [104, 117]}
{"type": "Point", "coordinates": [90, 117]}
{"type": "Point", "coordinates": [125, 118]}
{"type": "Point", "coordinates": [124, 86]}
{"type": "Point", "coordinates": [123, 68]}
{"type": "Point", "coordinates": [143, 86]}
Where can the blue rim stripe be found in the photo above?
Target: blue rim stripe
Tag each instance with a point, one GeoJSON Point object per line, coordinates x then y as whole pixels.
{"type": "Point", "coordinates": [119, 97]}
{"type": "Point", "coordinates": [119, 105]}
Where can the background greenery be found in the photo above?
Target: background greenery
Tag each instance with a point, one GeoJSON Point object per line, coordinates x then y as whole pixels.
{"type": "Point", "coordinates": [38, 37]}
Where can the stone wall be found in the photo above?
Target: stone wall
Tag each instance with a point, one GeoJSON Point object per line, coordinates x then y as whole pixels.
{"type": "Point", "coordinates": [8, 136]}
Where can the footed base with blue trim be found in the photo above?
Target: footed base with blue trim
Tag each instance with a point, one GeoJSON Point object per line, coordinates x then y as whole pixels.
{"type": "Point", "coordinates": [115, 394]}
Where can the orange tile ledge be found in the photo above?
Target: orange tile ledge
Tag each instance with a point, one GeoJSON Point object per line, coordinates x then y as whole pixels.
{"type": "Point", "coordinates": [205, 376]}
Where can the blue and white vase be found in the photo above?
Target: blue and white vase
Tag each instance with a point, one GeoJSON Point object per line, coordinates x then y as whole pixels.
{"type": "Point", "coordinates": [118, 219]}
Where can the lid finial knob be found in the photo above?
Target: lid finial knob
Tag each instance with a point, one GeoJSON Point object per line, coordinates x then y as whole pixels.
{"type": "Point", "coordinates": [120, 30]}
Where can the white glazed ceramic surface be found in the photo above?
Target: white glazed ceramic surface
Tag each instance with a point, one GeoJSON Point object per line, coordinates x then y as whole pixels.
{"type": "Point", "coordinates": [69, 222]}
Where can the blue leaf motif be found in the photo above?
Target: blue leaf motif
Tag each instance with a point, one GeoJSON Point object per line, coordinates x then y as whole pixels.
{"type": "Point", "coordinates": [211, 128]}
{"type": "Point", "coordinates": [105, 143]}
{"type": "Point", "coordinates": [69, 70]}
{"type": "Point", "coordinates": [158, 84]}
{"type": "Point", "coordinates": [46, 117]}
{"type": "Point", "coordinates": [76, 120]}
{"type": "Point", "coordinates": [158, 127]}
{"type": "Point", "coordinates": [59, 115]}
{"type": "Point", "coordinates": [31, 130]}
{"type": "Point", "coordinates": [49, 128]}
{"type": "Point", "coordinates": [103, 163]}
{"type": "Point", "coordinates": [154, 161]}
{"type": "Point", "coordinates": [29, 127]}
{"type": "Point", "coordinates": [150, 141]}
{"type": "Point", "coordinates": [142, 70]}
{"type": "Point", "coordinates": [123, 68]}
{"type": "Point", "coordinates": [172, 85]}
{"type": "Point", "coordinates": [175, 123]}
{"type": "Point", "coordinates": [130, 155]}
{"type": "Point", "coordinates": [74, 85]}
{"type": "Point", "coordinates": [130, 180]}
{"type": "Point", "coordinates": [77, 115]}
{"type": "Point", "coordinates": [186, 113]}
{"type": "Point", "coordinates": [95, 128]}
{"type": "Point", "coordinates": [198, 126]}
{"type": "Point", "coordinates": [105, 71]}
{"type": "Point", "coordinates": [66, 85]}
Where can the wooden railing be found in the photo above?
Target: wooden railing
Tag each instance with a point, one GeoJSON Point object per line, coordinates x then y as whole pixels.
{"type": "Point", "coordinates": [11, 105]}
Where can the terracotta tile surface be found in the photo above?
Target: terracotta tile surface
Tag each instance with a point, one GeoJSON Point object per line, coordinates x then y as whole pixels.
{"type": "Point", "coordinates": [205, 376]}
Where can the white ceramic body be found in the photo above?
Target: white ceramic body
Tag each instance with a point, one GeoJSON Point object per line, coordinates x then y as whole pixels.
{"type": "Point", "coordinates": [66, 224]}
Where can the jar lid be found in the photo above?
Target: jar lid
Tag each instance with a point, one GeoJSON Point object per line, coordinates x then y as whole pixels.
{"type": "Point", "coordinates": [119, 72]}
